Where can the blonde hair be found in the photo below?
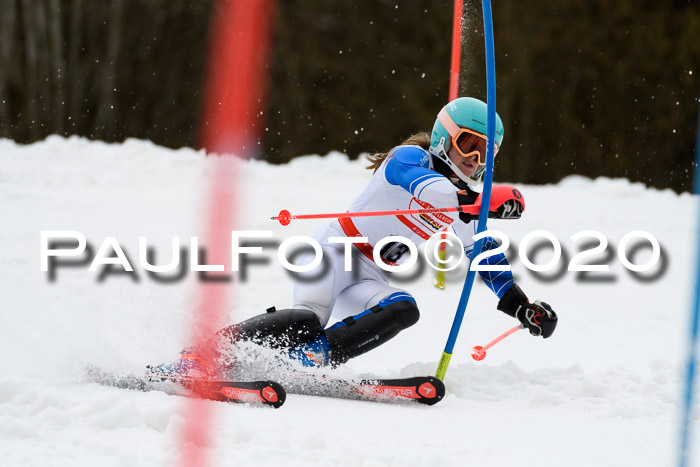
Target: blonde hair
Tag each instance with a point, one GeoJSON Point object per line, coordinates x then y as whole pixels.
{"type": "Point", "coordinates": [421, 139]}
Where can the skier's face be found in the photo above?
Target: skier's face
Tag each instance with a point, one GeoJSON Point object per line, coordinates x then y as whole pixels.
{"type": "Point", "coordinates": [467, 165]}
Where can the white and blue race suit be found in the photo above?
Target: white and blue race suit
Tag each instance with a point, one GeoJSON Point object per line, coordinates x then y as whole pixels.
{"type": "Point", "coordinates": [405, 180]}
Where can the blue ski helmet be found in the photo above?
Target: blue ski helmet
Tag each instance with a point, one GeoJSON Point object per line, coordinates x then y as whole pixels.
{"type": "Point", "coordinates": [463, 112]}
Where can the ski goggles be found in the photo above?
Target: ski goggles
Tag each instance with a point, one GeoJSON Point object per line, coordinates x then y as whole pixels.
{"type": "Point", "coordinates": [467, 142]}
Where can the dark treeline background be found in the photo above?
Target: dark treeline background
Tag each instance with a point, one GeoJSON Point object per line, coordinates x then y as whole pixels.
{"type": "Point", "coordinates": [591, 87]}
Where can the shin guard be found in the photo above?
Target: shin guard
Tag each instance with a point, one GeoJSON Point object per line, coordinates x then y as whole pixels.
{"type": "Point", "coordinates": [361, 333]}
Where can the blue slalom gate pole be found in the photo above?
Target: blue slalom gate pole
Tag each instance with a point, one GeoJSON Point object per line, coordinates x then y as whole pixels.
{"type": "Point", "coordinates": [686, 424]}
{"type": "Point", "coordinates": [486, 193]}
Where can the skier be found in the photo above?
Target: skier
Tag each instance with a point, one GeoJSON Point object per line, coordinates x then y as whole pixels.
{"type": "Point", "coordinates": [441, 170]}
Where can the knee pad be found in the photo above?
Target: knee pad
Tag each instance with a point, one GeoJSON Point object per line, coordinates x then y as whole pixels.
{"type": "Point", "coordinates": [404, 311]}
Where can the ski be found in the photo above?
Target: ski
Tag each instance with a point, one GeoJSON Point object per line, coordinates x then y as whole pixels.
{"type": "Point", "coordinates": [426, 390]}
{"type": "Point", "coordinates": [259, 392]}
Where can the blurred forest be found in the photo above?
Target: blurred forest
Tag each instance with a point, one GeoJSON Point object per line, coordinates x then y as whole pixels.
{"type": "Point", "coordinates": [591, 87]}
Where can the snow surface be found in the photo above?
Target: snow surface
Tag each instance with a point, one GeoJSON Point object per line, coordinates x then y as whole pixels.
{"type": "Point", "coordinates": [603, 391]}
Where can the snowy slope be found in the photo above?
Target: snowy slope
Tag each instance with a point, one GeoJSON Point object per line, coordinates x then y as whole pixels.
{"type": "Point", "coordinates": [604, 390]}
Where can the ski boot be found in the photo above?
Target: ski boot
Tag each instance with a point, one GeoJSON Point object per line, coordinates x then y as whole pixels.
{"type": "Point", "coordinates": [188, 367]}
{"type": "Point", "coordinates": [312, 354]}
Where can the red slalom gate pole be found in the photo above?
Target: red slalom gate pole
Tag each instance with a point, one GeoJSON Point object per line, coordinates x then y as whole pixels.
{"type": "Point", "coordinates": [454, 93]}
{"type": "Point", "coordinates": [235, 86]}
{"type": "Point", "coordinates": [231, 107]}
{"type": "Point", "coordinates": [456, 49]}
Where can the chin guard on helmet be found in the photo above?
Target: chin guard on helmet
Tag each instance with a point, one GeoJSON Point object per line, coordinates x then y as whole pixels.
{"type": "Point", "coordinates": [444, 166]}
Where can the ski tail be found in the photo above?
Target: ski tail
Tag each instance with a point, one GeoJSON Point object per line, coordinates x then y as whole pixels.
{"type": "Point", "coordinates": [253, 392]}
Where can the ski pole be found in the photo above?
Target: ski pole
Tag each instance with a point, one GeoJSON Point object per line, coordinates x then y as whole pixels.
{"type": "Point", "coordinates": [479, 352]}
{"type": "Point", "coordinates": [285, 217]}
{"type": "Point", "coordinates": [501, 194]}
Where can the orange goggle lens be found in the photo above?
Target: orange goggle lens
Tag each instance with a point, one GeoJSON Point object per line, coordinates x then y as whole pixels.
{"type": "Point", "coordinates": [469, 143]}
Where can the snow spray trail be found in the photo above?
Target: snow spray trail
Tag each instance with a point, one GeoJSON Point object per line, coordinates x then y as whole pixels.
{"type": "Point", "coordinates": [232, 105]}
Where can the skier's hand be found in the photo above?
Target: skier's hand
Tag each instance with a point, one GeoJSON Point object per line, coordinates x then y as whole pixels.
{"type": "Point", "coordinates": [466, 198]}
{"type": "Point", "coordinates": [538, 317]}
{"type": "Point", "coordinates": [510, 205]}
{"type": "Point", "coordinates": [510, 209]}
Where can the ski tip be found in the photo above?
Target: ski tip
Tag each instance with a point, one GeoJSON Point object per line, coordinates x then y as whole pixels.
{"type": "Point", "coordinates": [273, 394]}
{"type": "Point", "coordinates": [431, 391]}
{"type": "Point", "coordinates": [427, 390]}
